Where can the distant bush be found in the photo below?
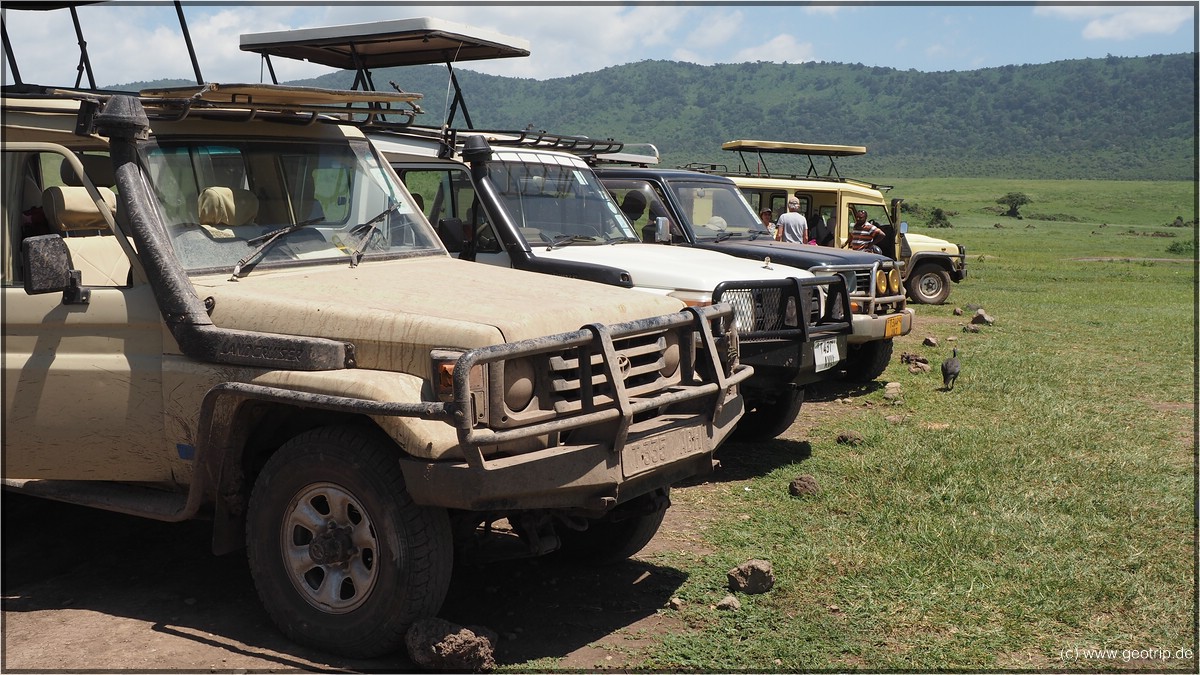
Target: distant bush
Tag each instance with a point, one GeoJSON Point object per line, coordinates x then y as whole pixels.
{"type": "Point", "coordinates": [1054, 217]}
{"type": "Point", "coordinates": [1182, 247]}
{"type": "Point", "coordinates": [1180, 222]}
{"type": "Point", "coordinates": [939, 218]}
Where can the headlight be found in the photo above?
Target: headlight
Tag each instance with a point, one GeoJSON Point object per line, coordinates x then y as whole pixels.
{"type": "Point", "coordinates": [670, 354]}
{"type": "Point", "coordinates": [881, 281]}
{"type": "Point", "coordinates": [744, 308]}
{"type": "Point", "coordinates": [520, 380]}
{"type": "Point", "coordinates": [894, 281]}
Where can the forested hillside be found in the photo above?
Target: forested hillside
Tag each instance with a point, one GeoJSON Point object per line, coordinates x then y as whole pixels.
{"type": "Point", "coordinates": [1122, 118]}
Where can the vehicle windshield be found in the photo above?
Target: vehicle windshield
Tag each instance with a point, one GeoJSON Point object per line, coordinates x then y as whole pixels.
{"type": "Point", "coordinates": [558, 204]}
{"type": "Point", "coordinates": [240, 203]}
{"type": "Point", "coordinates": [715, 210]}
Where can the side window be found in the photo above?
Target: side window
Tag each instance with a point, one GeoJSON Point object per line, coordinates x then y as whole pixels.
{"type": "Point", "coordinates": [43, 194]}
{"type": "Point", "coordinates": [448, 193]}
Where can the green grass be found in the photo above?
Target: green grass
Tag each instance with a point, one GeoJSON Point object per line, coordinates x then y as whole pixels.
{"type": "Point", "coordinates": [1048, 503]}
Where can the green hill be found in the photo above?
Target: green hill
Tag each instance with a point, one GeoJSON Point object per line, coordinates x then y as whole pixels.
{"type": "Point", "coordinates": [1113, 118]}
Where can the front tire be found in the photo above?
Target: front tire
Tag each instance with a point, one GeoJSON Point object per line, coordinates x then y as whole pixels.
{"type": "Point", "coordinates": [766, 420]}
{"type": "Point", "coordinates": [868, 360]}
{"type": "Point", "coordinates": [342, 558]}
{"type": "Point", "coordinates": [929, 285]}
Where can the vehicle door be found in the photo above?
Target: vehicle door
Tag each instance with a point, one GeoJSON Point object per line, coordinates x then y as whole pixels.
{"type": "Point", "coordinates": [77, 371]}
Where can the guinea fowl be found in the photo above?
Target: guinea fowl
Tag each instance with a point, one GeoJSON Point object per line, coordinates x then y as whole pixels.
{"type": "Point", "coordinates": [950, 368]}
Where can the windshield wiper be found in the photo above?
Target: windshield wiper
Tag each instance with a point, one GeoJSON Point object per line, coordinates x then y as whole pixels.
{"type": "Point", "coordinates": [267, 241]}
{"type": "Point", "coordinates": [371, 226]}
{"type": "Point", "coordinates": [623, 240]}
{"type": "Point", "coordinates": [567, 240]}
{"type": "Point", "coordinates": [723, 236]}
{"type": "Point", "coordinates": [758, 233]}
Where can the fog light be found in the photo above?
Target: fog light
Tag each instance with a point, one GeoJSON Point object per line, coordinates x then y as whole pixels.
{"type": "Point", "coordinates": [894, 281]}
{"type": "Point", "coordinates": [881, 281]}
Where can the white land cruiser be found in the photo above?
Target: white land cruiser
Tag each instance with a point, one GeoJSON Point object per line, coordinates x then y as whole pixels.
{"type": "Point", "coordinates": [221, 303]}
{"type": "Point", "coordinates": [527, 204]}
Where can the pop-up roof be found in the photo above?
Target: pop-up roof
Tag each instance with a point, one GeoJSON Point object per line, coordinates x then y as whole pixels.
{"type": "Point", "coordinates": [386, 44]}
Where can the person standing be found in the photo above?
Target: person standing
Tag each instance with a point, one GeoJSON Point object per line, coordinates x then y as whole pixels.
{"type": "Point", "coordinates": [764, 215]}
{"type": "Point", "coordinates": [792, 226]}
{"type": "Point", "coordinates": [865, 236]}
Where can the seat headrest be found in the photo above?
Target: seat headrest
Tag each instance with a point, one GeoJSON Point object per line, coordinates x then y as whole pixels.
{"type": "Point", "coordinates": [69, 208]}
{"type": "Point", "coordinates": [98, 168]}
{"type": "Point", "coordinates": [227, 207]}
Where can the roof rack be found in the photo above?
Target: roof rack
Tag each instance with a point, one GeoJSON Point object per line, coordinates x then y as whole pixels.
{"type": "Point", "coordinates": [248, 100]}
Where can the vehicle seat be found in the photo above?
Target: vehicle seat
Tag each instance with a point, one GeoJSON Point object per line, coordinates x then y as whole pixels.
{"type": "Point", "coordinates": [94, 251]}
{"type": "Point", "coordinates": [221, 209]}
{"type": "Point", "coordinates": [216, 242]}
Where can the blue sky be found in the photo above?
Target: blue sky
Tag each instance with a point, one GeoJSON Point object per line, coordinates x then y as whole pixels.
{"type": "Point", "coordinates": [134, 41]}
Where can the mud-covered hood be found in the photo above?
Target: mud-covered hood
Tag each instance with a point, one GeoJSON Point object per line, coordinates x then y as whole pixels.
{"type": "Point", "coordinates": [795, 255]}
{"type": "Point", "coordinates": [394, 312]}
{"type": "Point", "coordinates": [671, 268]}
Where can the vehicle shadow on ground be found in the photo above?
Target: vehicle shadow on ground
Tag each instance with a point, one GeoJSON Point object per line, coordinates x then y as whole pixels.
{"type": "Point", "coordinates": [203, 612]}
{"type": "Point", "coordinates": [744, 459]}
{"type": "Point", "coordinates": [548, 608]}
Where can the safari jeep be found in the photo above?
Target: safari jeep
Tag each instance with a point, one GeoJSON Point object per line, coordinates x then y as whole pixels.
{"type": "Point", "coordinates": [930, 264]}
{"type": "Point", "coordinates": [519, 200]}
{"type": "Point", "coordinates": [707, 211]}
{"type": "Point", "coordinates": [221, 303]}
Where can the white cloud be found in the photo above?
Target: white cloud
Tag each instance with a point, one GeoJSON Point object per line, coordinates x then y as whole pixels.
{"type": "Point", "coordinates": [1122, 22]}
{"type": "Point", "coordinates": [779, 49]}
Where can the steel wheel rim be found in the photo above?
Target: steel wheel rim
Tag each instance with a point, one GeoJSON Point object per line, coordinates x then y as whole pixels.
{"type": "Point", "coordinates": [931, 284]}
{"type": "Point", "coordinates": [329, 548]}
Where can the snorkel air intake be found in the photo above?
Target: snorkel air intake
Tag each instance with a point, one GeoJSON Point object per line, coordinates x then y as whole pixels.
{"type": "Point", "coordinates": [124, 121]}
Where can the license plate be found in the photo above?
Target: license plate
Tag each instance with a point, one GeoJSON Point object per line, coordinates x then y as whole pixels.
{"type": "Point", "coordinates": [893, 326]}
{"type": "Point", "coordinates": [825, 352]}
{"type": "Point", "coordinates": [644, 454]}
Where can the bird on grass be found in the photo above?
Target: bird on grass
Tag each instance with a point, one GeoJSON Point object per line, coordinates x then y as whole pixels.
{"type": "Point", "coordinates": [950, 368]}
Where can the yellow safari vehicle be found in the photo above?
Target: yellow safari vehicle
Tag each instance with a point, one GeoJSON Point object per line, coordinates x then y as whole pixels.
{"type": "Point", "coordinates": [930, 264]}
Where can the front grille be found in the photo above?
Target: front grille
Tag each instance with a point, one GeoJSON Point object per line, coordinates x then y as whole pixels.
{"type": "Point", "coordinates": [769, 309]}
{"type": "Point", "coordinates": [578, 380]}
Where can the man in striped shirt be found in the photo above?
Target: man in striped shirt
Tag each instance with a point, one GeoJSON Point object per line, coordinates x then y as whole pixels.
{"type": "Point", "coordinates": [865, 236]}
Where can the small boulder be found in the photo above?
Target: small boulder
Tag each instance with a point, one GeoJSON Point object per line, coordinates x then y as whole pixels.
{"type": "Point", "coordinates": [751, 577]}
{"type": "Point", "coordinates": [804, 486]}
{"type": "Point", "coordinates": [675, 604]}
{"type": "Point", "coordinates": [437, 644]}
{"type": "Point", "coordinates": [958, 311]}
{"type": "Point", "coordinates": [909, 357]}
{"type": "Point", "coordinates": [729, 604]}
{"type": "Point", "coordinates": [891, 391]}
{"type": "Point", "coordinates": [982, 318]}
{"type": "Point", "coordinates": [930, 341]}
{"type": "Point", "coordinates": [971, 329]}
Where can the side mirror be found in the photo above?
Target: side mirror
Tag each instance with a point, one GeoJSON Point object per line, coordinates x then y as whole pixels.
{"type": "Point", "coordinates": [904, 227]}
{"type": "Point", "coordinates": [662, 230]}
{"type": "Point", "coordinates": [46, 268]}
